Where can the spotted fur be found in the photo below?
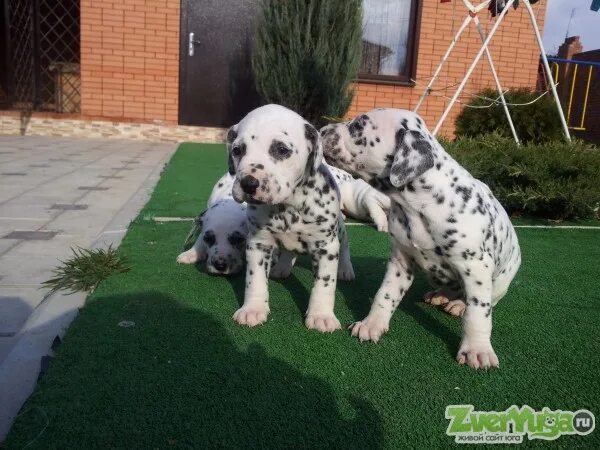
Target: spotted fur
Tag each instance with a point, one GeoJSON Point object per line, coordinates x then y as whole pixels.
{"type": "Point", "coordinates": [442, 220]}
{"type": "Point", "coordinates": [293, 203]}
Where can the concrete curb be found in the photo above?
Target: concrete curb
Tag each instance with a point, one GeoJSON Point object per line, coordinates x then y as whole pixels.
{"type": "Point", "coordinates": [20, 369]}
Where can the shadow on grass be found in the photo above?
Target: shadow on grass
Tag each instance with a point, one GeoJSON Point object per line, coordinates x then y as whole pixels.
{"type": "Point", "coordinates": [359, 293]}
{"type": "Point", "coordinates": [177, 378]}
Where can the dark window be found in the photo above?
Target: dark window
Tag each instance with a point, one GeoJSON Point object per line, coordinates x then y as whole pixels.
{"type": "Point", "coordinates": [390, 29]}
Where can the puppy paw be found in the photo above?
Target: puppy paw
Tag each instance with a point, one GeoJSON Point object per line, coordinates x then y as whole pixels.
{"type": "Point", "coordinates": [455, 308]}
{"type": "Point", "coordinates": [345, 272]}
{"type": "Point", "coordinates": [189, 257]}
{"type": "Point", "coordinates": [382, 226]}
{"type": "Point", "coordinates": [436, 298]}
{"type": "Point", "coordinates": [477, 355]}
{"type": "Point", "coordinates": [325, 323]}
{"type": "Point", "coordinates": [251, 316]}
{"type": "Point", "coordinates": [370, 329]}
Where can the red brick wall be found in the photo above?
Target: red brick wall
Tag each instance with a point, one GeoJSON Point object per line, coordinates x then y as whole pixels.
{"type": "Point", "coordinates": [513, 48]}
{"type": "Point", "coordinates": [130, 60]}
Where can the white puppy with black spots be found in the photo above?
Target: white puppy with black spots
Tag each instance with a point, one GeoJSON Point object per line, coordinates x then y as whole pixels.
{"type": "Point", "coordinates": [293, 202]}
{"type": "Point", "coordinates": [222, 227]}
{"type": "Point", "coordinates": [442, 219]}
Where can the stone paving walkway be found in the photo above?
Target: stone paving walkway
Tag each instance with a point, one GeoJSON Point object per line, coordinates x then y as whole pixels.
{"type": "Point", "coordinates": [57, 193]}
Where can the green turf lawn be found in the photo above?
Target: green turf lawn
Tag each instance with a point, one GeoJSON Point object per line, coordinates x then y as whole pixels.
{"type": "Point", "coordinates": [187, 376]}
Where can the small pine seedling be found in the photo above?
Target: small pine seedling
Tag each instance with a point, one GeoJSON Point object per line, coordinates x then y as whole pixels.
{"type": "Point", "coordinates": [84, 271]}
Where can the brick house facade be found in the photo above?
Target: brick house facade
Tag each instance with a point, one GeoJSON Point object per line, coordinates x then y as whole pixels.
{"type": "Point", "coordinates": [130, 60]}
{"type": "Point", "coordinates": [131, 50]}
{"type": "Point", "coordinates": [513, 48]}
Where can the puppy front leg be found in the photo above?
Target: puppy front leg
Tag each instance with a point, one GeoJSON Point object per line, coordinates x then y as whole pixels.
{"type": "Point", "coordinates": [476, 346]}
{"type": "Point", "coordinates": [255, 309]}
{"type": "Point", "coordinates": [195, 254]}
{"type": "Point", "coordinates": [378, 214]}
{"type": "Point", "coordinates": [320, 315]}
{"type": "Point", "coordinates": [397, 280]}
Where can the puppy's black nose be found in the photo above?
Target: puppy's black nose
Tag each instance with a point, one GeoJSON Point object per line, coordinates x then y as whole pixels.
{"type": "Point", "coordinates": [220, 265]}
{"type": "Point", "coordinates": [249, 184]}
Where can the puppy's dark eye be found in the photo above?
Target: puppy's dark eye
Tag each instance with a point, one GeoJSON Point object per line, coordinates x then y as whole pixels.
{"type": "Point", "coordinates": [236, 151]}
{"type": "Point", "coordinates": [236, 240]}
{"type": "Point", "coordinates": [278, 150]}
{"type": "Point", "coordinates": [209, 238]}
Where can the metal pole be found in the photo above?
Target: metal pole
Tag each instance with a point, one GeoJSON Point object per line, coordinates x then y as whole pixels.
{"type": "Point", "coordinates": [573, 81]}
{"type": "Point", "coordinates": [585, 100]}
{"type": "Point", "coordinates": [547, 68]}
{"type": "Point", "coordinates": [442, 62]}
{"type": "Point", "coordinates": [497, 80]}
{"type": "Point", "coordinates": [473, 65]}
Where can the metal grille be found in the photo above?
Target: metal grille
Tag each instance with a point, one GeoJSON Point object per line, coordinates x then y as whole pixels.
{"type": "Point", "coordinates": [21, 43]}
{"type": "Point", "coordinates": [45, 55]}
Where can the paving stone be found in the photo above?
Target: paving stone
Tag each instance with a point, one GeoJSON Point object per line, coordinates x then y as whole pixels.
{"type": "Point", "coordinates": [30, 235]}
{"type": "Point", "coordinates": [112, 177]}
{"type": "Point", "coordinates": [69, 206]}
{"type": "Point", "coordinates": [14, 311]}
{"type": "Point", "coordinates": [14, 174]}
{"type": "Point", "coordinates": [39, 165]}
{"type": "Point", "coordinates": [93, 188]}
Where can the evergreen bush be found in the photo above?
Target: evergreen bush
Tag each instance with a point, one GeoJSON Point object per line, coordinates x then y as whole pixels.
{"type": "Point", "coordinates": [537, 122]}
{"type": "Point", "coordinates": [306, 55]}
{"type": "Point", "coordinates": [554, 180]}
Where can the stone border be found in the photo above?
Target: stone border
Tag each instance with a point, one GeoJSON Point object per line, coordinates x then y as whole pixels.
{"type": "Point", "coordinates": [13, 124]}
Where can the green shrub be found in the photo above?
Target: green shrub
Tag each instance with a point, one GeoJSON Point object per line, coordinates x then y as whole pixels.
{"type": "Point", "coordinates": [538, 122]}
{"type": "Point", "coordinates": [554, 180]}
{"type": "Point", "coordinates": [307, 54]}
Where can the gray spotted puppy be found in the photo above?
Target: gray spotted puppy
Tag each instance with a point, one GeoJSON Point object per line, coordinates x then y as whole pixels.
{"type": "Point", "coordinates": [293, 202]}
{"type": "Point", "coordinates": [221, 231]}
{"type": "Point", "coordinates": [442, 220]}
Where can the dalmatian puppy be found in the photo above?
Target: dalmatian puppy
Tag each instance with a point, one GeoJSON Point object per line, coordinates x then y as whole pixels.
{"type": "Point", "coordinates": [293, 202]}
{"type": "Point", "coordinates": [442, 220]}
{"type": "Point", "coordinates": [222, 239]}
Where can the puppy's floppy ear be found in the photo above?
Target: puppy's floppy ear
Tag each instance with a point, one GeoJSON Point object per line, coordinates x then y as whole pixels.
{"type": "Point", "coordinates": [315, 156]}
{"type": "Point", "coordinates": [231, 135]}
{"type": "Point", "coordinates": [413, 156]}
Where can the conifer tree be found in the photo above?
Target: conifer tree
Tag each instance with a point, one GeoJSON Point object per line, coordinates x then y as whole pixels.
{"type": "Point", "coordinates": [306, 55]}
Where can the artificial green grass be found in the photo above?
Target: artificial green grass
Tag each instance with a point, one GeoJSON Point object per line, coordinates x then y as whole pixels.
{"type": "Point", "coordinates": [186, 376]}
